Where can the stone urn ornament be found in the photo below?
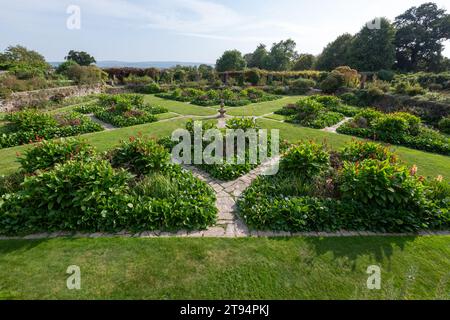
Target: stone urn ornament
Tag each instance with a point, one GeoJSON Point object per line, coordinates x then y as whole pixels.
{"type": "Point", "coordinates": [222, 110]}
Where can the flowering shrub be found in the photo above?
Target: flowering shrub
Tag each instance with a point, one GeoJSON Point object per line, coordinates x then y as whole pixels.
{"type": "Point", "coordinates": [33, 126]}
{"type": "Point", "coordinates": [48, 153]}
{"type": "Point", "coordinates": [140, 156]}
{"type": "Point", "coordinates": [370, 192]}
{"type": "Point", "coordinates": [306, 159]}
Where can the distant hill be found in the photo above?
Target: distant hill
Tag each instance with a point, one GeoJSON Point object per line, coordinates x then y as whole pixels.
{"type": "Point", "coordinates": [145, 64]}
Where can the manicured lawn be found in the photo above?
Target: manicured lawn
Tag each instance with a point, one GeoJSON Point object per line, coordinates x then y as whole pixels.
{"type": "Point", "coordinates": [278, 117]}
{"type": "Point", "coordinates": [259, 109]}
{"type": "Point", "coordinates": [167, 115]}
{"type": "Point", "coordinates": [181, 268]}
{"type": "Point", "coordinates": [429, 164]}
{"type": "Point", "coordinates": [181, 107]}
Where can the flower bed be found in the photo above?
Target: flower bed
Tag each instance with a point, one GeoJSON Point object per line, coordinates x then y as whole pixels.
{"type": "Point", "coordinates": [398, 128]}
{"type": "Point", "coordinates": [123, 110]}
{"type": "Point", "coordinates": [73, 191]}
{"type": "Point", "coordinates": [361, 188]}
{"type": "Point", "coordinates": [31, 126]}
{"type": "Point", "coordinates": [231, 98]}
{"type": "Point", "coordinates": [318, 111]}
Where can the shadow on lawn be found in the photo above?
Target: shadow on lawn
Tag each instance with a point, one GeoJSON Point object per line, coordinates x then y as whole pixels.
{"type": "Point", "coordinates": [378, 249]}
{"type": "Point", "coordinates": [8, 246]}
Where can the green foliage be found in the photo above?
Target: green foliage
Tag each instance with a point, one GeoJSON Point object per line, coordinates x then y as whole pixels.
{"type": "Point", "coordinates": [335, 53]}
{"type": "Point", "coordinates": [64, 67]}
{"type": "Point", "coordinates": [213, 97]}
{"type": "Point", "coordinates": [373, 49]}
{"type": "Point", "coordinates": [444, 125]}
{"type": "Point", "coordinates": [386, 75]}
{"type": "Point", "coordinates": [372, 192]}
{"type": "Point", "coordinates": [306, 159]}
{"type": "Point", "coordinates": [32, 126]}
{"type": "Point", "coordinates": [80, 57]}
{"type": "Point", "coordinates": [301, 86]}
{"type": "Point", "coordinates": [24, 63]}
{"type": "Point", "coordinates": [304, 62]}
{"type": "Point", "coordinates": [318, 111]}
{"type": "Point", "coordinates": [332, 83]}
{"type": "Point", "coordinates": [140, 156]}
{"type": "Point", "coordinates": [175, 200]}
{"type": "Point", "coordinates": [47, 154]}
{"type": "Point", "coordinates": [10, 183]}
{"type": "Point", "coordinates": [230, 61]}
{"type": "Point", "coordinates": [86, 75]}
{"type": "Point", "coordinates": [356, 151]}
{"type": "Point", "coordinates": [242, 123]}
{"type": "Point", "coordinates": [75, 196]}
{"type": "Point", "coordinates": [419, 39]}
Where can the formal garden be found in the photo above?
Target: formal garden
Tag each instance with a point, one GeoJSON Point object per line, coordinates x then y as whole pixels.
{"type": "Point", "coordinates": [362, 160]}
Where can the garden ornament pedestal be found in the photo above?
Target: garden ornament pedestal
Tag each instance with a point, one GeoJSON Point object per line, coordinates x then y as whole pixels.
{"type": "Point", "coordinates": [222, 110]}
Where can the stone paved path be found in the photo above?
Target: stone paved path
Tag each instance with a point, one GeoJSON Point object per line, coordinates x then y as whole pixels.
{"type": "Point", "coordinates": [336, 126]}
{"type": "Point", "coordinates": [229, 223]}
{"type": "Point", "coordinates": [105, 125]}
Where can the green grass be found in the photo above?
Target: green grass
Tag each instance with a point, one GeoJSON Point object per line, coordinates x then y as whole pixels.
{"type": "Point", "coordinates": [181, 268]}
{"type": "Point", "coordinates": [429, 164]}
{"type": "Point", "coordinates": [277, 117]}
{"type": "Point", "coordinates": [167, 115]}
{"type": "Point", "coordinates": [259, 109]}
{"type": "Point", "coordinates": [180, 107]}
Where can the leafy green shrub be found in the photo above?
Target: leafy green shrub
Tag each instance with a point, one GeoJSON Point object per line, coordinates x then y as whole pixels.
{"type": "Point", "coordinates": [242, 123]}
{"type": "Point", "coordinates": [88, 109]}
{"type": "Point", "coordinates": [140, 156]}
{"type": "Point", "coordinates": [48, 153]}
{"type": "Point", "coordinates": [125, 119]}
{"type": "Point", "coordinates": [325, 119]}
{"type": "Point", "coordinates": [156, 185]}
{"type": "Point", "coordinates": [31, 120]}
{"type": "Point", "coordinates": [360, 150]}
{"type": "Point", "coordinates": [386, 75]}
{"type": "Point", "coordinates": [302, 86]}
{"type": "Point", "coordinates": [33, 126]}
{"type": "Point", "coordinates": [11, 183]}
{"type": "Point", "coordinates": [366, 194]}
{"type": "Point", "coordinates": [175, 200]}
{"type": "Point", "coordinates": [306, 159]}
{"type": "Point", "coordinates": [75, 196]}
{"type": "Point", "coordinates": [444, 125]}
{"type": "Point", "coordinates": [391, 128]}
{"type": "Point", "coordinates": [332, 83]}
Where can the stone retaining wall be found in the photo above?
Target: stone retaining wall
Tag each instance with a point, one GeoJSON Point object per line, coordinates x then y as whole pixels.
{"type": "Point", "coordinates": [19, 100]}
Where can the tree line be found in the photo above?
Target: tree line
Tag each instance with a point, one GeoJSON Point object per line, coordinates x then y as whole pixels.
{"type": "Point", "coordinates": [413, 42]}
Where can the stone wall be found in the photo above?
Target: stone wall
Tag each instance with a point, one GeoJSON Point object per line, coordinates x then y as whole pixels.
{"type": "Point", "coordinates": [18, 100]}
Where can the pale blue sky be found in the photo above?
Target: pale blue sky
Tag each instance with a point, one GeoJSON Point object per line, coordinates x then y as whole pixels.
{"type": "Point", "coordinates": [185, 30]}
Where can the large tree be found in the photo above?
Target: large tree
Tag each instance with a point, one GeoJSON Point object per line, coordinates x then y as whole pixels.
{"type": "Point", "coordinates": [336, 53]}
{"type": "Point", "coordinates": [305, 61]}
{"type": "Point", "coordinates": [259, 58]}
{"type": "Point", "coordinates": [25, 63]}
{"type": "Point", "coordinates": [80, 57]}
{"type": "Point", "coordinates": [373, 49]}
{"type": "Point", "coordinates": [282, 55]}
{"type": "Point", "coordinates": [231, 60]}
{"type": "Point", "coordinates": [421, 32]}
